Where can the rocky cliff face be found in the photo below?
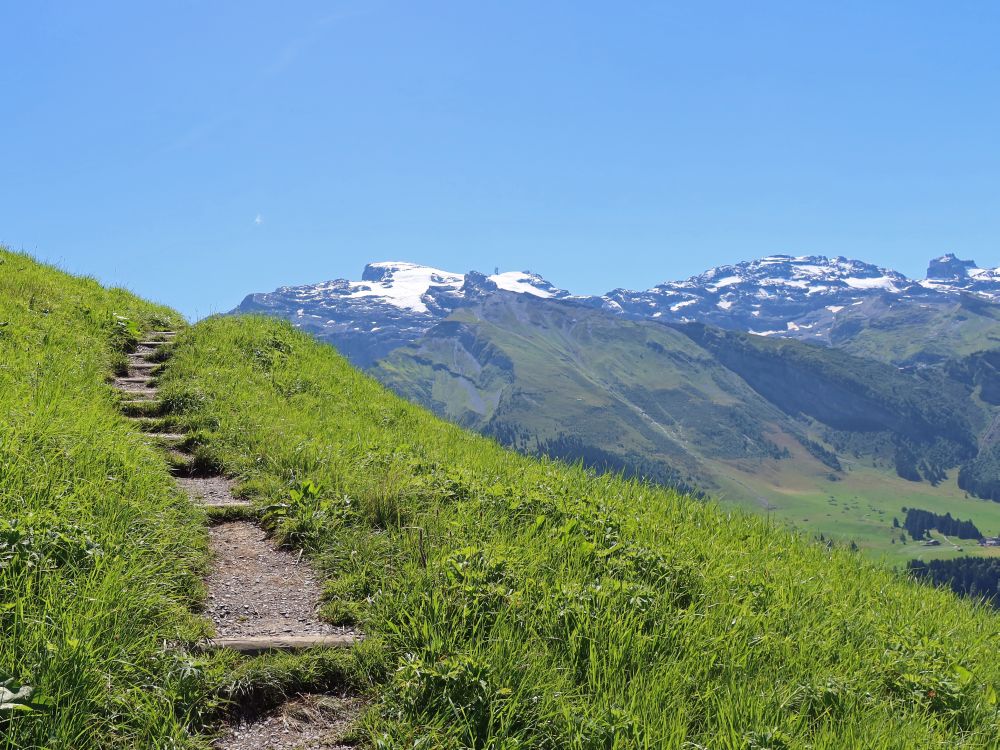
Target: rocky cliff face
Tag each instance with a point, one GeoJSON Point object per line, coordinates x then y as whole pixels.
{"type": "Point", "coordinates": [951, 275]}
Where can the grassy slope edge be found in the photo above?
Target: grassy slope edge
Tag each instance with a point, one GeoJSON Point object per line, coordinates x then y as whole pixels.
{"type": "Point", "coordinates": [98, 554]}
{"type": "Point", "coordinates": [516, 603]}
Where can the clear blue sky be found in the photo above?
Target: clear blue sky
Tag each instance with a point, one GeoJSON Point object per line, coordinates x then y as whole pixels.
{"type": "Point", "coordinates": [601, 144]}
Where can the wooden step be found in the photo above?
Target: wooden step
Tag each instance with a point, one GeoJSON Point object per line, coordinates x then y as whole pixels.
{"type": "Point", "coordinates": [135, 379]}
{"type": "Point", "coordinates": [152, 344]}
{"type": "Point", "coordinates": [235, 503]}
{"type": "Point", "coordinates": [265, 643]}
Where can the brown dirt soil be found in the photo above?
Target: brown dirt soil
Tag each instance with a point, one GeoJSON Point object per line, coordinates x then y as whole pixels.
{"type": "Point", "coordinates": [213, 491]}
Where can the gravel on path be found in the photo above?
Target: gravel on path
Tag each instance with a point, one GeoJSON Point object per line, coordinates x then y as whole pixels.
{"type": "Point", "coordinates": [311, 722]}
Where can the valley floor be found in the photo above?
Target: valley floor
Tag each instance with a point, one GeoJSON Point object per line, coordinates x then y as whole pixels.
{"type": "Point", "coordinates": [860, 508]}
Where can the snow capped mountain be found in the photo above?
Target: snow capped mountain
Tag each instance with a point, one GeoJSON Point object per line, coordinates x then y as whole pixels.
{"type": "Point", "coordinates": [804, 297]}
{"type": "Point", "coordinates": [393, 304]}
{"type": "Point", "coordinates": [416, 288]}
{"type": "Point", "coordinates": [769, 295]}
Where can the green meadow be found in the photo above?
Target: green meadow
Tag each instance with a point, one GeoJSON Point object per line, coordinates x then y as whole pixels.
{"type": "Point", "coordinates": [861, 506]}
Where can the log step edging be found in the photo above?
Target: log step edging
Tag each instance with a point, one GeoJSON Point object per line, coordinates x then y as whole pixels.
{"type": "Point", "coordinates": [253, 645]}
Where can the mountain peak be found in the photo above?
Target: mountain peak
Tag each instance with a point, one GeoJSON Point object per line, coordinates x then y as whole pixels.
{"type": "Point", "coordinates": [402, 284]}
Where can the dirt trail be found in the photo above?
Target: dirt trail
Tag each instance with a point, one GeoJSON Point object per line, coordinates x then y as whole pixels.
{"type": "Point", "coordinates": [257, 592]}
{"type": "Point", "coordinates": [255, 589]}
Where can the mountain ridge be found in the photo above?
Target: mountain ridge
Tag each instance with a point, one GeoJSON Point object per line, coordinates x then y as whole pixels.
{"type": "Point", "coordinates": [806, 297]}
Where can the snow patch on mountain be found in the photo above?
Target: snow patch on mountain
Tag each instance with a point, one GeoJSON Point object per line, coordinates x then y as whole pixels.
{"type": "Point", "coordinates": [402, 284]}
{"type": "Point", "coordinates": [523, 282]}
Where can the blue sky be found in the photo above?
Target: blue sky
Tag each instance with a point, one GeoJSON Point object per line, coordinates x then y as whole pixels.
{"type": "Point", "coordinates": [600, 144]}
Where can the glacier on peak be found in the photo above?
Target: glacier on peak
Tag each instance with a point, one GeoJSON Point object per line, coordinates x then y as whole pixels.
{"type": "Point", "coordinates": [412, 287]}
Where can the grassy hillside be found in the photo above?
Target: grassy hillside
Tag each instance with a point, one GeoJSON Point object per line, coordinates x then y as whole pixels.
{"type": "Point", "coordinates": [98, 556]}
{"type": "Point", "coordinates": [932, 419]}
{"type": "Point", "coordinates": [516, 603]}
{"type": "Point", "coordinates": [572, 382]}
{"type": "Point", "coordinates": [776, 426]}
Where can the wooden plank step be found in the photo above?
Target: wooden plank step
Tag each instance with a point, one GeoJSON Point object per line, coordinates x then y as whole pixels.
{"type": "Point", "coordinates": [152, 344]}
{"type": "Point", "coordinates": [265, 643]}
{"type": "Point", "coordinates": [135, 379]}
{"type": "Point", "coordinates": [168, 437]}
{"type": "Point", "coordinates": [142, 408]}
{"type": "Point", "coordinates": [149, 394]}
{"type": "Point", "coordinates": [149, 425]}
{"type": "Point", "coordinates": [235, 503]}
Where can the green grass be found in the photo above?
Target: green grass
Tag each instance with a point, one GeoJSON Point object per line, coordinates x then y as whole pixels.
{"type": "Point", "coordinates": [532, 372]}
{"type": "Point", "coordinates": [515, 603]}
{"type": "Point", "coordinates": [99, 555]}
